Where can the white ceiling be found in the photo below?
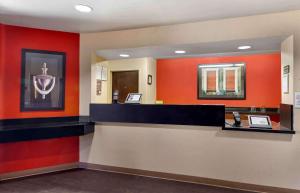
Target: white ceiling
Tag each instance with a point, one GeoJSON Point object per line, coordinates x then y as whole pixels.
{"type": "Point", "coordinates": [261, 45]}
{"type": "Point", "coordinates": [125, 14]}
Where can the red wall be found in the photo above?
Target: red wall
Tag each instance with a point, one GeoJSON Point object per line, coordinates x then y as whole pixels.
{"type": "Point", "coordinates": [177, 80]}
{"type": "Point", "coordinates": [39, 153]}
{"type": "Point", "coordinates": [1, 57]}
{"type": "Point", "coordinates": [16, 38]}
{"type": "Point", "coordinates": [33, 154]}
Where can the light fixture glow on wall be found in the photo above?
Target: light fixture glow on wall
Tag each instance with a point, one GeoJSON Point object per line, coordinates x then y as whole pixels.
{"type": "Point", "coordinates": [124, 55]}
{"type": "Point", "coordinates": [244, 47]}
{"type": "Point", "coordinates": [83, 8]}
{"type": "Point", "coordinates": [180, 52]}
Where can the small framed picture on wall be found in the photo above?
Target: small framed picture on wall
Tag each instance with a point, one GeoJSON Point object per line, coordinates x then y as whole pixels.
{"type": "Point", "coordinates": [43, 80]}
{"type": "Point", "coordinates": [285, 83]}
{"type": "Point", "coordinates": [149, 81]}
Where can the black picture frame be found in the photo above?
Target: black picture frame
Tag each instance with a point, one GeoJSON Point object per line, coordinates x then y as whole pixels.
{"type": "Point", "coordinates": [200, 95]}
{"type": "Point", "coordinates": [33, 60]}
{"type": "Point", "coordinates": [149, 79]}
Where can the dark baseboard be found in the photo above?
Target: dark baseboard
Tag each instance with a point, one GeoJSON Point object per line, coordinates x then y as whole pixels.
{"type": "Point", "coordinates": [190, 179]}
{"type": "Point", "coordinates": [38, 171]}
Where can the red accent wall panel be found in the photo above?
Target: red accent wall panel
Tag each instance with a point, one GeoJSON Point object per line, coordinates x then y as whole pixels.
{"type": "Point", "coordinates": [177, 80]}
{"type": "Point", "coordinates": [40, 153]}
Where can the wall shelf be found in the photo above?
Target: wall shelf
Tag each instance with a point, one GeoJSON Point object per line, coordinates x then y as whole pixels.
{"type": "Point", "coordinates": [14, 130]}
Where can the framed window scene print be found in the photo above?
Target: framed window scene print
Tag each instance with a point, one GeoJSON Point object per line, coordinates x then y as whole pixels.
{"type": "Point", "coordinates": [43, 80]}
{"type": "Point", "coordinates": [222, 81]}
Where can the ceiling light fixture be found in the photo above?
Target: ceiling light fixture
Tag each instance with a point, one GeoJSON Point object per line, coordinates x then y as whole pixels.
{"type": "Point", "coordinates": [180, 52]}
{"type": "Point", "coordinates": [244, 47]}
{"type": "Point", "coordinates": [124, 55]}
{"type": "Point", "coordinates": [83, 8]}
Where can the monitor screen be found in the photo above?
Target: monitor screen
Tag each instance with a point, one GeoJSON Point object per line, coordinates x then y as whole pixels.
{"type": "Point", "coordinates": [259, 121]}
{"type": "Point", "coordinates": [133, 98]}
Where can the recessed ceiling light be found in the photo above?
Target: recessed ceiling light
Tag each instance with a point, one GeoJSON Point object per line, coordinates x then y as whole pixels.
{"type": "Point", "coordinates": [244, 47]}
{"type": "Point", "coordinates": [83, 8]}
{"type": "Point", "coordinates": [125, 55]}
{"type": "Point", "coordinates": [180, 52]}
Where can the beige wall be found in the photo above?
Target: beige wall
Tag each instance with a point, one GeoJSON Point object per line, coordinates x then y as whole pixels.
{"type": "Point", "coordinates": [144, 66]}
{"type": "Point", "coordinates": [287, 59]}
{"type": "Point", "coordinates": [280, 24]}
{"type": "Point", "coordinates": [151, 89]}
{"type": "Point", "coordinates": [266, 159]}
{"type": "Point", "coordinates": [103, 98]}
{"type": "Point", "coordinates": [258, 158]}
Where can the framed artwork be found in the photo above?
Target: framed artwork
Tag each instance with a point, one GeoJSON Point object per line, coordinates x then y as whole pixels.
{"type": "Point", "coordinates": [222, 81]}
{"type": "Point", "coordinates": [43, 80]}
{"type": "Point", "coordinates": [101, 73]}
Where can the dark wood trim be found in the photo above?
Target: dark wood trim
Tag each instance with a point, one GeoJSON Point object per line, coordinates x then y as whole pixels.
{"type": "Point", "coordinates": [22, 89]}
{"type": "Point", "coordinates": [202, 115]}
{"type": "Point", "coordinates": [190, 179]}
{"type": "Point", "coordinates": [287, 116]}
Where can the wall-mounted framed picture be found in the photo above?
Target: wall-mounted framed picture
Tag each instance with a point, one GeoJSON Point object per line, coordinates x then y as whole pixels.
{"type": "Point", "coordinates": [222, 81]}
{"type": "Point", "coordinates": [149, 81]}
{"type": "Point", "coordinates": [285, 83]}
{"type": "Point", "coordinates": [43, 80]}
{"type": "Point", "coordinates": [101, 73]}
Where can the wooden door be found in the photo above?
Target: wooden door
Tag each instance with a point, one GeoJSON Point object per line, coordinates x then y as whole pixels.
{"type": "Point", "coordinates": [125, 82]}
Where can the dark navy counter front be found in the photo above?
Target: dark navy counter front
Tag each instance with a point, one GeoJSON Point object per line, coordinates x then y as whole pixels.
{"type": "Point", "coordinates": [202, 115]}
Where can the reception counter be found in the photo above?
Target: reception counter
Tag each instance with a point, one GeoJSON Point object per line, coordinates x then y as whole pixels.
{"type": "Point", "coordinates": [201, 115]}
{"type": "Point", "coordinates": [176, 139]}
{"type": "Point", "coordinates": [197, 115]}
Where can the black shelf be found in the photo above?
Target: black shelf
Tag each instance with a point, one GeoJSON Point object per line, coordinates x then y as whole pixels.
{"type": "Point", "coordinates": [14, 130]}
{"type": "Point", "coordinates": [263, 130]}
{"type": "Point", "coordinates": [247, 110]}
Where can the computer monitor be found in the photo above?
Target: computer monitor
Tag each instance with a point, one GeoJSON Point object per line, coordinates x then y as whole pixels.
{"type": "Point", "coordinates": [256, 121]}
{"type": "Point", "coordinates": [133, 98]}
